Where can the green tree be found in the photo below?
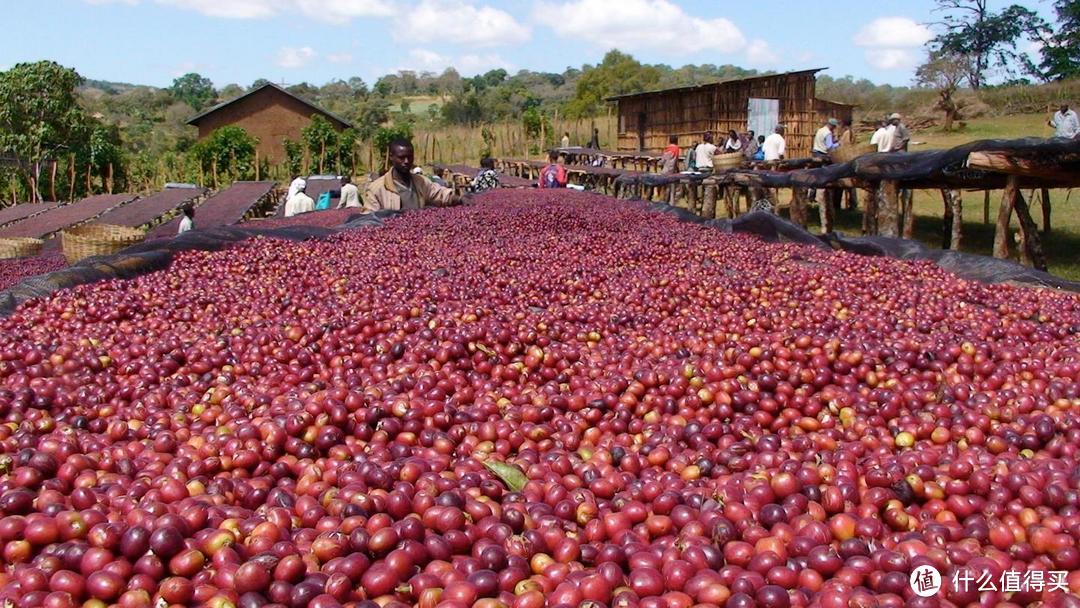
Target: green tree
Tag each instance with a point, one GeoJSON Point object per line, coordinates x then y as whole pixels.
{"type": "Point", "coordinates": [369, 115]}
{"type": "Point", "coordinates": [195, 90]}
{"type": "Point", "coordinates": [987, 38]}
{"type": "Point", "coordinates": [232, 91]}
{"type": "Point", "coordinates": [39, 116]}
{"type": "Point", "coordinates": [1061, 48]}
{"type": "Point", "coordinates": [228, 153]}
{"type": "Point", "coordinates": [320, 137]}
{"type": "Point", "coordinates": [617, 74]}
{"type": "Point", "coordinates": [294, 155]}
{"type": "Point", "coordinates": [343, 154]}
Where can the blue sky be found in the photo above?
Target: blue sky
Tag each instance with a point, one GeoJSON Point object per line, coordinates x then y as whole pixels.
{"type": "Point", "coordinates": [238, 41]}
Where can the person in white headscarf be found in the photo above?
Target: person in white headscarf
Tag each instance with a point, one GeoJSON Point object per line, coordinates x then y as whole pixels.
{"type": "Point", "coordinates": [299, 203]}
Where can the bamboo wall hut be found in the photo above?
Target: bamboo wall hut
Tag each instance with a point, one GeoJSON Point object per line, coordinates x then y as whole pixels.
{"type": "Point", "coordinates": [758, 103]}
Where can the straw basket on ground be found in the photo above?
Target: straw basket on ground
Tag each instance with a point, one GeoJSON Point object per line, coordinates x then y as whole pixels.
{"type": "Point", "coordinates": [89, 240]}
{"type": "Point", "coordinates": [19, 248]}
{"type": "Point", "coordinates": [729, 160]}
{"type": "Point", "coordinates": [849, 153]}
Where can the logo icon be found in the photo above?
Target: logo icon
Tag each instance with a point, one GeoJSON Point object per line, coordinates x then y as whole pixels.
{"type": "Point", "coordinates": [925, 581]}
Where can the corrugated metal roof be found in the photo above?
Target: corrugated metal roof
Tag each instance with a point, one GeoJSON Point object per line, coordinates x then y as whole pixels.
{"type": "Point", "coordinates": [713, 84]}
{"type": "Point", "coordinates": [195, 119]}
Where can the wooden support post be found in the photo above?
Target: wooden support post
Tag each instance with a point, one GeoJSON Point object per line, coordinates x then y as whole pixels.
{"type": "Point", "coordinates": [869, 216]}
{"type": "Point", "coordinates": [1045, 197]}
{"type": "Point", "coordinates": [954, 218]}
{"type": "Point", "coordinates": [907, 199]}
{"type": "Point", "coordinates": [1031, 250]}
{"type": "Point", "coordinates": [986, 206]}
{"type": "Point", "coordinates": [1001, 231]}
{"type": "Point", "coordinates": [673, 193]}
{"type": "Point", "coordinates": [946, 226]}
{"type": "Point", "coordinates": [852, 199]}
{"type": "Point", "coordinates": [797, 212]}
{"type": "Point", "coordinates": [708, 210]}
{"type": "Point", "coordinates": [691, 197]}
{"type": "Point", "coordinates": [888, 209]}
{"type": "Point", "coordinates": [730, 202]}
{"type": "Point", "coordinates": [826, 213]}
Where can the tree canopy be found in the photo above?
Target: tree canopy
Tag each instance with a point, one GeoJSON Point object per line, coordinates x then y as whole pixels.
{"type": "Point", "coordinates": [195, 90]}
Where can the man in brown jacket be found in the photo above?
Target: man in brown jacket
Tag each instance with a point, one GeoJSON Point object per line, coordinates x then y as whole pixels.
{"type": "Point", "coordinates": [399, 189]}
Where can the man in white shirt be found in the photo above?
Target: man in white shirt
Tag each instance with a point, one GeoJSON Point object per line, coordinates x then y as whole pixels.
{"type": "Point", "coordinates": [825, 139]}
{"type": "Point", "coordinates": [880, 138]}
{"type": "Point", "coordinates": [299, 203]}
{"type": "Point", "coordinates": [298, 184]}
{"type": "Point", "coordinates": [704, 154]}
{"type": "Point", "coordinates": [350, 194]}
{"type": "Point", "coordinates": [775, 146]}
{"type": "Point", "coordinates": [1065, 122]}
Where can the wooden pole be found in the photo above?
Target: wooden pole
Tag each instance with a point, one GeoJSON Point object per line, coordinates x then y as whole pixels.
{"type": "Point", "coordinates": [1031, 244]}
{"type": "Point", "coordinates": [71, 179]}
{"type": "Point", "coordinates": [52, 181]}
{"type": "Point", "coordinates": [256, 164]}
{"type": "Point", "coordinates": [825, 212]}
{"type": "Point", "coordinates": [888, 209]}
{"type": "Point", "coordinates": [869, 218]}
{"type": "Point", "coordinates": [798, 206]}
{"type": "Point", "coordinates": [1001, 231]}
{"type": "Point", "coordinates": [946, 226]}
{"type": "Point", "coordinates": [908, 198]}
{"type": "Point", "coordinates": [709, 209]}
{"type": "Point", "coordinates": [986, 206]}
{"type": "Point", "coordinates": [1044, 195]}
{"type": "Point", "coordinates": [956, 204]}
{"type": "Point", "coordinates": [729, 202]}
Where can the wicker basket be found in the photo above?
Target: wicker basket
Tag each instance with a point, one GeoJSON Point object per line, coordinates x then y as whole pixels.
{"type": "Point", "coordinates": [728, 160]}
{"type": "Point", "coordinates": [19, 248]}
{"type": "Point", "coordinates": [82, 242]}
{"type": "Point", "coordinates": [845, 154]}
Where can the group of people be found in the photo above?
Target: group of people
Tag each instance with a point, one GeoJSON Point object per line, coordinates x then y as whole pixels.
{"type": "Point", "coordinates": [891, 135]}
{"type": "Point", "coordinates": [400, 188]}
{"type": "Point", "coordinates": [699, 156]}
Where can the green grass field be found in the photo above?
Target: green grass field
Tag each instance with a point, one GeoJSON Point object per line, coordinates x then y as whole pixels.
{"type": "Point", "coordinates": [1062, 244]}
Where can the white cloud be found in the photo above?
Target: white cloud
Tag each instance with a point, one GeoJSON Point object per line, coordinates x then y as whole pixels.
{"type": "Point", "coordinates": [344, 10]}
{"type": "Point", "coordinates": [631, 25]}
{"type": "Point", "coordinates": [892, 43]}
{"type": "Point", "coordinates": [892, 33]}
{"type": "Point", "coordinates": [892, 59]}
{"type": "Point", "coordinates": [337, 11]}
{"type": "Point", "coordinates": [758, 52]}
{"type": "Point", "coordinates": [424, 60]}
{"type": "Point", "coordinates": [229, 9]}
{"type": "Point", "coordinates": [292, 58]}
{"type": "Point", "coordinates": [460, 22]}
{"type": "Point", "coordinates": [339, 57]}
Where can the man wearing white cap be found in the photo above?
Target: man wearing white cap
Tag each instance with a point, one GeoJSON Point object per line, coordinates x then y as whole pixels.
{"type": "Point", "coordinates": [900, 134]}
